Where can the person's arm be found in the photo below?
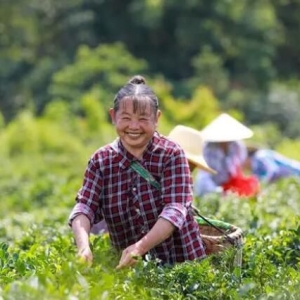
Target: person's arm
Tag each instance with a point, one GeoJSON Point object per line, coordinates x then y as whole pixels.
{"type": "Point", "coordinates": [83, 213]}
{"type": "Point", "coordinates": [217, 160]}
{"type": "Point", "coordinates": [264, 167]}
{"type": "Point", "coordinates": [271, 170]}
{"type": "Point", "coordinates": [241, 152]}
{"type": "Point", "coordinates": [161, 230]}
{"type": "Point", "coordinates": [81, 227]}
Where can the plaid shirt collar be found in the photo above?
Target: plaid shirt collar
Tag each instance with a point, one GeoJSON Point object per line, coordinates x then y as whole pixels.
{"type": "Point", "coordinates": [124, 157]}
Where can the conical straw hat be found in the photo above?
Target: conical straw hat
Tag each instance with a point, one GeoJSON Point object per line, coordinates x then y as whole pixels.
{"type": "Point", "coordinates": [225, 129]}
{"type": "Point", "coordinates": [191, 142]}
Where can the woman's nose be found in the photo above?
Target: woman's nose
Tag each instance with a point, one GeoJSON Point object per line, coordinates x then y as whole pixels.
{"type": "Point", "coordinates": [134, 124]}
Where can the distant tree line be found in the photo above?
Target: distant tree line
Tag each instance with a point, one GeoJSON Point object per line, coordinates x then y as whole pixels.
{"type": "Point", "coordinates": [245, 51]}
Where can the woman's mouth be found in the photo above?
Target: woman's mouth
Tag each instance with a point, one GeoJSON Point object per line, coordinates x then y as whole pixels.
{"type": "Point", "coordinates": [134, 135]}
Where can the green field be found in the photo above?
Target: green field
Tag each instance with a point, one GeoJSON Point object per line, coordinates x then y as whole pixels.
{"type": "Point", "coordinates": [63, 62]}
{"type": "Point", "coordinates": [38, 258]}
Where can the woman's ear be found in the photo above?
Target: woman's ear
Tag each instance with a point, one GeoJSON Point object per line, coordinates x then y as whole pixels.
{"type": "Point", "coordinates": [158, 114]}
{"type": "Point", "coordinates": [112, 114]}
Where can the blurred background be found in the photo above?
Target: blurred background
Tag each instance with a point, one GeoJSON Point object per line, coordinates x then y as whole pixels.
{"type": "Point", "coordinates": [63, 61]}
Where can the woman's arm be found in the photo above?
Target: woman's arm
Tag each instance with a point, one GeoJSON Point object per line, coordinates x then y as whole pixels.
{"type": "Point", "coordinates": [84, 211]}
{"type": "Point", "coordinates": [264, 166]}
{"type": "Point", "coordinates": [81, 227]}
{"type": "Point", "coordinates": [161, 230]}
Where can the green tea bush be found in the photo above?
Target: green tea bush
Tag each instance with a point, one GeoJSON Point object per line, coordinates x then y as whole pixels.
{"type": "Point", "coordinates": [40, 176]}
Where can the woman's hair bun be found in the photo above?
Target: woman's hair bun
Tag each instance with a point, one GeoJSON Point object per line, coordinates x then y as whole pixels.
{"type": "Point", "coordinates": [138, 79]}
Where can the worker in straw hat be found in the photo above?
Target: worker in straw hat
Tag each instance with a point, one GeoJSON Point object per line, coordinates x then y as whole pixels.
{"type": "Point", "coordinates": [191, 142]}
{"type": "Point", "coordinates": [225, 152]}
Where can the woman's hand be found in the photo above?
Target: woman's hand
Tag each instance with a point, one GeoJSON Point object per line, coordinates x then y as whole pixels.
{"type": "Point", "coordinates": [86, 255]}
{"type": "Point", "coordinates": [130, 256]}
{"type": "Point", "coordinates": [161, 230]}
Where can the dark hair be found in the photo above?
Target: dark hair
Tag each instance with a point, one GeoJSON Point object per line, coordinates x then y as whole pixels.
{"type": "Point", "coordinates": [251, 150]}
{"type": "Point", "coordinates": [136, 89]}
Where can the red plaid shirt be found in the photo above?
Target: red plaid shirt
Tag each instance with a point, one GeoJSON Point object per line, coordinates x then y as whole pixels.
{"type": "Point", "coordinates": [131, 206]}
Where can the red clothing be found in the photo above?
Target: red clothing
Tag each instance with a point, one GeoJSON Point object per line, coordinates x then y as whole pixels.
{"type": "Point", "coordinates": [131, 206]}
{"type": "Point", "coordinates": [244, 186]}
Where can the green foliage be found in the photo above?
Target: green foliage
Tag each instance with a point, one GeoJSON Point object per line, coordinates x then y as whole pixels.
{"type": "Point", "coordinates": [37, 251]}
{"type": "Point", "coordinates": [59, 113]}
{"type": "Point", "coordinates": [267, 135]}
{"type": "Point", "coordinates": [289, 147]}
{"type": "Point", "coordinates": [209, 71]}
{"type": "Point", "coordinates": [104, 69]}
{"type": "Point", "coordinates": [281, 106]}
{"type": "Point", "coordinates": [96, 118]}
{"type": "Point", "coordinates": [64, 50]}
{"type": "Point", "coordinates": [28, 134]}
{"type": "Point", "coordinates": [196, 112]}
{"type": "Point", "coordinates": [1, 121]}
{"type": "Point", "coordinates": [62, 63]}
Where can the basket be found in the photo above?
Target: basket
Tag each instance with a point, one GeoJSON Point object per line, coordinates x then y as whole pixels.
{"type": "Point", "coordinates": [217, 240]}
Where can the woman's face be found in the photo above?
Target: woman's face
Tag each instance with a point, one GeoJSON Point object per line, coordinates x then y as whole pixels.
{"type": "Point", "coordinates": [135, 123]}
{"type": "Point", "coordinates": [224, 146]}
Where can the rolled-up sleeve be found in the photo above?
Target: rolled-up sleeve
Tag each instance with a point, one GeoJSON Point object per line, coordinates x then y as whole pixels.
{"type": "Point", "coordinates": [175, 214]}
{"type": "Point", "coordinates": [81, 209]}
{"type": "Point", "coordinates": [89, 194]}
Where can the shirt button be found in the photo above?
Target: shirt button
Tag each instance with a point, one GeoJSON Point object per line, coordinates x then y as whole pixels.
{"type": "Point", "coordinates": [134, 189]}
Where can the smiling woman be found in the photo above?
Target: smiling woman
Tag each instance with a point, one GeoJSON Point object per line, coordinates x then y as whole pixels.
{"type": "Point", "coordinates": [121, 186]}
{"type": "Point", "coordinates": [136, 117]}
